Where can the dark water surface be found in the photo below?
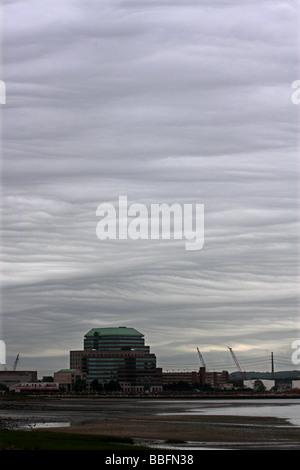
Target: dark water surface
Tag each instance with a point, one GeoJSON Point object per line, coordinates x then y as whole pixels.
{"type": "Point", "coordinates": [71, 411]}
{"type": "Point", "coordinates": [288, 409]}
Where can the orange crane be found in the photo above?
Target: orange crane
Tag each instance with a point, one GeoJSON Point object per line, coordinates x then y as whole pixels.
{"type": "Point", "coordinates": [237, 363]}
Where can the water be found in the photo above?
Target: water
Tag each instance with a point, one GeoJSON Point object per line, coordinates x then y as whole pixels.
{"type": "Point", "coordinates": [44, 425]}
{"type": "Point", "coordinates": [284, 409]}
{"type": "Point", "coordinates": [66, 412]}
{"type": "Point", "coordinates": [73, 411]}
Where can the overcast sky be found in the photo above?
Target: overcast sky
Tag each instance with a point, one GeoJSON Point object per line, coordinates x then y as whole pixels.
{"type": "Point", "coordinates": [178, 101]}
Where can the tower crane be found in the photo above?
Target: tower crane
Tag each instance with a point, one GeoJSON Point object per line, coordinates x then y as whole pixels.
{"type": "Point", "coordinates": [201, 358]}
{"type": "Point", "coordinates": [237, 363]}
{"type": "Point", "coordinates": [16, 362]}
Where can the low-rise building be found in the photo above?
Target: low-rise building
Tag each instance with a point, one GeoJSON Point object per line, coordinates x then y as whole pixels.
{"type": "Point", "coordinates": [268, 384]}
{"type": "Point", "coordinates": [14, 377]}
{"type": "Point", "coordinates": [35, 387]}
{"type": "Point", "coordinates": [66, 378]}
{"type": "Point", "coordinates": [201, 377]}
{"type": "Point", "coordinates": [213, 379]}
{"type": "Point", "coordinates": [172, 377]}
{"type": "Point", "coordinates": [296, 384]}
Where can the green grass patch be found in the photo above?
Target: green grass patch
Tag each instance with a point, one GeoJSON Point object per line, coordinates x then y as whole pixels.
{"type": "Point", "coordinates": [48, 440]}
{"type": "Point", "coordinates": [18, 397]}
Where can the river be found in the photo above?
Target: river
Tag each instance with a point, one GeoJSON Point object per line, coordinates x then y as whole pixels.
{"type": "Point", "coordinates": [288, 409]}
{"type": "Point", "coordinates": [283, 417]}
{"type": "Point", "coordinates": [70, 411]}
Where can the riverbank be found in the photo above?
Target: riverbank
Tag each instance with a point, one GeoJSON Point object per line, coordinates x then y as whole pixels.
{"type": "Point", "coordinates": [196, 424]}
{"type": "Point", "coordinates": [203, 431]}
{"type": "Point", "coordinates": [35, 440]}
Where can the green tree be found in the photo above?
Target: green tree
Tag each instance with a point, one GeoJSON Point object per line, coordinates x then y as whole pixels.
{"type": "Point", "coordinates": [180, 386]}
{"type": "Point", "coordinates": [96, 386]}
{"type": "Point", "coordinates": [259, 386]}
{"type": "Point", "coordinates": [112, 386]}
{"type": "Point", "coordinates": [3, 388]}
{"type": "Point", "coordinates": [80, 385]}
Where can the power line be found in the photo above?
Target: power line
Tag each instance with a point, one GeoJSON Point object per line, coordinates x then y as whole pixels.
{"type": "Point", "coordinates": [247, 363]}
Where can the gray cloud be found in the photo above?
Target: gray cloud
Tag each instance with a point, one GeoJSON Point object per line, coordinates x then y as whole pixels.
{"type": "Point", "coordinates": [183, 103]}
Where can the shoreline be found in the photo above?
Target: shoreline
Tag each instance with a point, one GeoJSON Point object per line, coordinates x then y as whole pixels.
{"type": "Point", "coordinates": [206, 430]}
{"type": "Point", "coordinates": [152, 422]}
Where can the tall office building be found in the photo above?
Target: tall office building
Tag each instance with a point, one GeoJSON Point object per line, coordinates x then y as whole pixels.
{"type": "Point", "coordinates": [118, 354]}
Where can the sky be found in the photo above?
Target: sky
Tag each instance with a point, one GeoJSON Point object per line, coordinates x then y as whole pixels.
{"type": "Point", "coordinates": [163, 102]}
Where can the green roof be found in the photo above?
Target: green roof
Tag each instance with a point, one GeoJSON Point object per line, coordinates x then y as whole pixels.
{"type": "Point", "coordinates": [120, 331]}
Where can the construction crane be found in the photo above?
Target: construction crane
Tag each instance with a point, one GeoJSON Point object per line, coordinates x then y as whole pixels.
{"type": "Point", "coordinates": [237, 363]}
{"type": "Point", "coordinates": [201, 358]}
{"type": "Point", "coordinates": [16, 362]}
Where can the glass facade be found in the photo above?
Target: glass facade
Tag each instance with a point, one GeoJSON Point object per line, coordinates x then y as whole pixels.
{"type": "Point", "coordinates": [118, 354]}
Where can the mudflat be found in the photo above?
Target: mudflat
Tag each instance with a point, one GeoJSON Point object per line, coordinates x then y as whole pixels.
{"type": "Point", "coordinates": [234, 432]}
{"type": "Point", "coordinates": [207, 430]}
{"type": "Point", "coordinates": [159, 420]}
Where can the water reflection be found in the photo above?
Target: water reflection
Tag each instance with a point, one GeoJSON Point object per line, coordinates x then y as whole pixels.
{"type": "Point", "coordinates": [44, 425]}
{"type": "Point", "coordinates": [284, 409]}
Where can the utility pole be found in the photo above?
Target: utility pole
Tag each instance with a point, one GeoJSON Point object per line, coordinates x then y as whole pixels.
{"type": "Point", "coordinates": [272, 364]}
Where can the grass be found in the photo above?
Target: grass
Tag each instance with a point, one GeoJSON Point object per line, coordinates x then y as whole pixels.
{"type": "Point", "coordinates": [48, 440]}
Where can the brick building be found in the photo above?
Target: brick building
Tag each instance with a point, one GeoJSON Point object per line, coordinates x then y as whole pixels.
{"type": "Point", "coordinates": [213, 379]}
{"type": "Point", "coordinates": [14, 377]}
{"type": "Point", "coordinates": [189, 377]}
{"type": "Point", "coordinates": [66, 378]}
